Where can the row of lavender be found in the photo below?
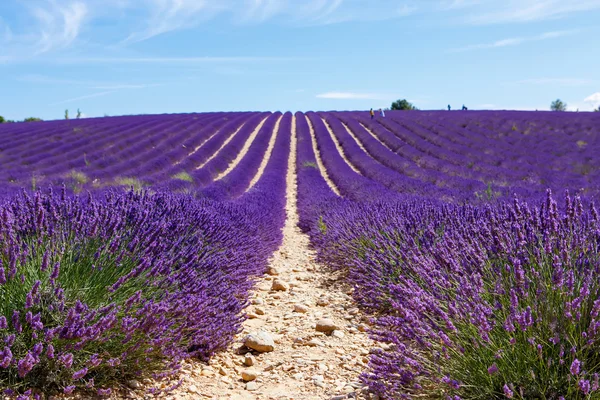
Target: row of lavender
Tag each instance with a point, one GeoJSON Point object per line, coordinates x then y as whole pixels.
{"type": "Point", "coordinates": [474, 301]}
{"type": "Point", "coordinates": [163, 150]}
{"type": "Point", "coordinates": [112, 286]}
{"type": "Point", "coordinates": [480, 154]}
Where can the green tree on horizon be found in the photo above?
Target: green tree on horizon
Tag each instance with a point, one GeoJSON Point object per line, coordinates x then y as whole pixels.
{"type": "Point", "coordinates": [558, 105]}
{"type": "Point", "coordinates": [404, 105]}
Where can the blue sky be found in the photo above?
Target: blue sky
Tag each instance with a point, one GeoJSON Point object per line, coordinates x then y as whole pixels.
{"type": "Point", "coordinates": [113, 57]}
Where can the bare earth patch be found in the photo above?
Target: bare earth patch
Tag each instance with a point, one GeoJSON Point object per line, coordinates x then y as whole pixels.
{"type": "Point", "coordinates": [304, 363]}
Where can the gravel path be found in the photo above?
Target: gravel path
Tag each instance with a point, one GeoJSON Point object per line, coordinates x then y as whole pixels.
{"type": "Point", "coordinates": [288, 303]}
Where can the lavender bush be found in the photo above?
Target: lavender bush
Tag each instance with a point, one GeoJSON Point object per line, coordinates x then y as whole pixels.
{"type": "Point", "coordinates": [122, 286]}
{"type": "Point", "coordinates": [477, 303]}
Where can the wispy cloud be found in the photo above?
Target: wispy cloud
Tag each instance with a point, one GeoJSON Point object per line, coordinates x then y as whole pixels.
{"type": "Point", "coordinates": [168, 60]}
{"type": "Point", "coordinates": [58, 24]}
{"type": "Point", "coordinates": [48, 80]}
{"type": "Point", "coordinates": [88, 96]}
{"type": "Point", "coordinates": [514, 41]}
{"type": "Point", "coordinates": [351, 96]}
{"type": "Point", "coordinates": [486, 12]}
{"type": "Point", "coordinates": [557, 81]}
{"type": "Point", "coordinates": [164, 16]}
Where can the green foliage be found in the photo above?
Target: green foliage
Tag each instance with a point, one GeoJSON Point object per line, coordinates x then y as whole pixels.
{"type": "Point", "coordinates": [322, 226]}
{"type": "Point", "coordinates": [310, 164]}
{"type": "Point", "coordinates": [131, 182]}
{"type": "Point", "coordinates": [514, 127]}
{"type": "Point", "coordinates": [558, 105]}
{"type": "Point", "coordinates": [32, 119]}
{"type": "Point", "coordinates": [403, 105]}
{"type": "Point", "coordinates": [183, 176]}
{"type": "Point", "coordinates": [78, 114]}
{"type": "Point", "coordinates": [488, 194]}
{"type": "Point", "coordinates": [2, 120]}
{"type": "Point", "coordinates": [77, 180]}
{"type": "Point", "coordinates": [66, 114]}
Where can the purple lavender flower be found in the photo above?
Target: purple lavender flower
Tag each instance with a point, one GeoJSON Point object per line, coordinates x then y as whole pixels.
{"type": "Point", "coordinates": [584, 386]}
{"type": "Point", "coordinates": [493, 369]}
{"type": "Point", "coordinates": [507, 392]}
{"type": "Point", "coordinates": [80, 374]}
{"type": "Point", "coordinates": [575, 367]}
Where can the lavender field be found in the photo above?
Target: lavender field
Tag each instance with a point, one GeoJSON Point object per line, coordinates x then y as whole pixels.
{"type": "Point", "coordinates": [129, 244]}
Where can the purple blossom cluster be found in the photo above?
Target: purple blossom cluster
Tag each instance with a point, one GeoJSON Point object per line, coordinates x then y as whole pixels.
{"type": "Point", "coordinates": [493, 300]}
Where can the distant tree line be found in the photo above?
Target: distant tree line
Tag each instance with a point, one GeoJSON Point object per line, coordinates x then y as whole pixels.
{"type": "Point", "coordinates": [35, 119]}
{"type": "Point", "coordinates": [10, 121]}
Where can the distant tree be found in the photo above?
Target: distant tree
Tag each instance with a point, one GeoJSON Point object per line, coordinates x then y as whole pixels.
{"type": "Point", "coordinates": [2, 120]}
{"type": "Point", "coordinates": [558, 105]}
{"type": "Point", "coordinates": [78, 114]}
{"type": "Point", "coordinates": [403, 105]}
{"type": "Point", "coordinates": [597, 109]}
{"type": "Point", "coordinates": [32, 119]}
{"type": "Point", "coordinates": [66, 114]}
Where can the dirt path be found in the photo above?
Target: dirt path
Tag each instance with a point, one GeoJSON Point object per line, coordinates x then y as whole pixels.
{"type": "Point", "coordinates": [267, 156]}
{"type": "Point", "coordinates": [320, 164]}
{"type": "Point", "coordinates": [339, 148]}
{"type": "Point", "coordinates": [244, 150]}
{"type": "Point", "coordinates": [304, 364]}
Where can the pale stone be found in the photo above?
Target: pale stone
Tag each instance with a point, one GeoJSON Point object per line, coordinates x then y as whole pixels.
{"type": "Point", "coordinates": [249, 360]}
{"type": "Point", "coordinates": [326, 325]}
{"type": "Point", "coordinates": [338, 334]}
{"type": "Point", "coordinates": [249, 375]}
{"type": "Point", "coordinates": [280, 285]}
{"type": "Point", "coordinates": [301, 308]}
{"type": "Point", "coordinates": [261, 342]}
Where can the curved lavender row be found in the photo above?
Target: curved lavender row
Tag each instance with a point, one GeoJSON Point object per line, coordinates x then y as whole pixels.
{"type": "Point", "coordinates": [47, 172]}
{"type": "Point", "coordinates": [415, 135]}
{"type": "Point", "coordinates": [66, 128]}
{"type": "Point", "coordinates": [49, 165]}
{"type": "Point", "coordinates": [516, 141]}
{"type": "Point", "coordinates": [135, 149]}
{"type": "Point", "coordinates": [351, 184]}
{"type": "Point", "coordinates": [152, 164]}
{"type": "Point", "coordinates": [237, 181]}
{"type": "Point", "coordinates": [200, 155]}
{"type": "Point", "coordinates": [467, 187]}
{"type": "Point", "coordinates": [21, 153]}
{"type": "Point", "coordinates": [384, 166]}
{"type": "Point", "coordinates": [314, 195]}
{"type": "Point", "coordinates": [413, 160]}
{"type": "Point", "coordinates": [218, 164]}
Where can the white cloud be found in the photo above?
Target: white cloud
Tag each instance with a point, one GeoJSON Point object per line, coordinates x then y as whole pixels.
{"type": "Point", "coordinates": [514, 41]}
{"type": "Point", "coordinates": [593, 100]}
{"type": "Point", "coordinates": [350, 96]}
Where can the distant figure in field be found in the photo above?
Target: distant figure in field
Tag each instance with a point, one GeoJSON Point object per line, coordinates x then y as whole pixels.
{"type": "Point", "coordinates": [464, 108]}
{"type": "Point", "coordinates": [449, 108]}
{"type": "Point", "coordinates": [372, 113]}
{"type": "Point", "coordinates": [382, 113]}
